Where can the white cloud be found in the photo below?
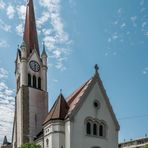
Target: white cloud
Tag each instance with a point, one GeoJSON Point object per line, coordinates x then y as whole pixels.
{"type": "Point", "coordinates": [4, 26]}
{"type": "Point", "coordinates": [115, 36]}
{"type": "Point", "coordinates": [6, 106]}
{"type": "Point", "coordinates": [43, 19]}
{"type": "Point", "coordinates": [3, 73]}
{"type": "Point", "coordinates": [56, 37]}
{"type": "Point", "coordinates": [21, 11]}
{"type": "Point", "coordinates": [3, 44]}
{"type": "Point", "coordinates": [123, 25]}
{"type": "Point", "coordinates": [60, 66]}
{"type": "Point", "coordinates": [144, 24]}
{"type": "Point", "coordinates": [50, 42]}
{"type": "Point", "coordinates": [47, 32]}
{"type": "Point", "coordinates": [110, 53]}
{"type": "Point", "coordinates": [2, 4]}
{"type": "Point", "coordinates": [57, 53]}
{"type": "Point", "coordinates": [134, 19]}
{"type": "Point", "coordinates": [20, 29]}
{"type": "Point", "coordinates": [10, 11]}
{"type": "Point", "coordinates": [120, 11]}
{"type": "Point", "coordinates": [55, 80]}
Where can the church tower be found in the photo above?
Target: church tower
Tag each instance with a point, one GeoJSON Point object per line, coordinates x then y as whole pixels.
{"type": "Point", "coordinates": [31, 105]}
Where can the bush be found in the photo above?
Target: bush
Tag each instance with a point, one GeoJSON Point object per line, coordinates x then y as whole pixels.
{"type": "Point", "coordinates": [30, 145]}
{"type": "Point", "coordinates": [146, 146]}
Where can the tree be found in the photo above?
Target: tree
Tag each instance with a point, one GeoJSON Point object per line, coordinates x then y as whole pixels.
{"type": "Point", "coordinates": [30, 145]}
{"type": "Point", "coordinates": [146, 146]}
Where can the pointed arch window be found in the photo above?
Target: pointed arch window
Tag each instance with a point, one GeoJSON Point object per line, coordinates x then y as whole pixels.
{"type": "Point", "coordinates": [29, 80]}
{"type": "Point", "coordinates": [88, 128]}
{"type": "Point", "coordinates": [101, 130]}
{"type": "Point", "coordinates": [95, 129]}
{"type": "Point", "coordinates": [34, 81]}
{"type": "Point", "coordinates": [39, 83]}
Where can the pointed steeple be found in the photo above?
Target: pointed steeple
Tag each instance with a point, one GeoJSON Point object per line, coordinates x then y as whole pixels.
{"type": "Point", "coordinates": [44, 51]}
{"type": "Point", "coordinates": [59, 109]}
{"type": "Point", "coordinates": [30, 33]}
{"type": "Point", "coordinates": [5, 141]}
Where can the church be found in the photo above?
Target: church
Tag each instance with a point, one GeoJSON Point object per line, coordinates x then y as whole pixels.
{"type": "Point", "coordinates": [84, 119]}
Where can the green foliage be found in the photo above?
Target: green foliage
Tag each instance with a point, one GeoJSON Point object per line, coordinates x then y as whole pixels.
{"type": "Point", "coordinates": [30, 145]}
{"type": "Point", "coordinates": [146, 146]}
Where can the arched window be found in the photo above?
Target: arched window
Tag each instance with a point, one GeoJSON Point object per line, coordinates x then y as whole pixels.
{"type": "Point", "coordinates": [29, 80]}
{"type": "Point", "coordinates": [34, 81]}
{"type": "Point", "coordinates": [39, 83]}
{"type": "Point", "coordinates": [47, 142]}
{"type": "Point", "coordinates": [95, 129]}
{"type": "Point", "coordinates": [101, 130]}
{"type": "Point", "coordinates": [88, 128]}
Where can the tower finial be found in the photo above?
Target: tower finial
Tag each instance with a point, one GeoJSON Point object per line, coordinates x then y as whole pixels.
{"type": "Point", "coordinates": [96, 68]}
{"type": "Point", "coordinates": [60, 91]}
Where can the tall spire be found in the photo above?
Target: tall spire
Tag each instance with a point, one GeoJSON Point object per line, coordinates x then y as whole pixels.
{"type": "Point", "coordinates": [30, 33]}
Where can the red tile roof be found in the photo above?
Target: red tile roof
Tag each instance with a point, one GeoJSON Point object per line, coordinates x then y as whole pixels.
{"type": "Point", "coordinates": [75, 97]}
{"type": "Point", "coordinates": [59, 110]}
{"type": "Point", "coordinates": [67, 108]}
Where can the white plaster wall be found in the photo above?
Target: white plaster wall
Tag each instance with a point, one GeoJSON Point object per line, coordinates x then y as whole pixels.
{"type": "Point", "coordinates": [55, 133]}
{"type": "Point", "coordinates": [38, 104]}
{"type": "Point", "coordinates": [67, 134]}
{"type": "Point", "coordinates": [78, 136]}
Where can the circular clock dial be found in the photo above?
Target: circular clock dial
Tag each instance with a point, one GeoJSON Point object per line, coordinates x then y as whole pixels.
{"type": "Point", "coordinates": [34, 66]}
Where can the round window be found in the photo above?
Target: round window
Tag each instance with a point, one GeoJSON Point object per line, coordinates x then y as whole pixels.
{"type": "Point", "coordinates": [96, 104]}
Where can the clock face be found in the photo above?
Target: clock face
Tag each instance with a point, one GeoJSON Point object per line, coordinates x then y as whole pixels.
{"type": "Point", "coordinates": [34, 66]}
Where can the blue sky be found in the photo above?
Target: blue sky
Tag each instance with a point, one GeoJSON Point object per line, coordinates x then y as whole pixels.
{"type": "Point", "coordinates": [79, 34]}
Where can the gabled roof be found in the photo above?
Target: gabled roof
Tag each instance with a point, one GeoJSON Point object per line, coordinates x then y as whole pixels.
{"type": "Point", "coordinates": [58, 111]}
{"type": "Point", "coordinates": [76, 99]}
{"type": "Point", "coordinates": [30, 32]}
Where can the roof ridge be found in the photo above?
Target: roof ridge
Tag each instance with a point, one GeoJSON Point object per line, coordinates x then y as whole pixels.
{"type": "Point", "coordinates": [76, 92]}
